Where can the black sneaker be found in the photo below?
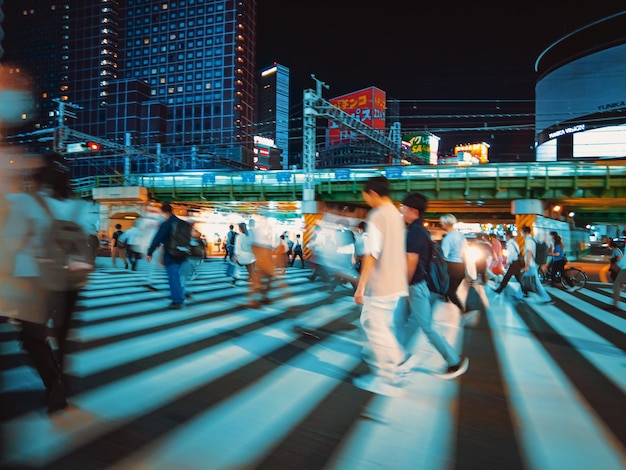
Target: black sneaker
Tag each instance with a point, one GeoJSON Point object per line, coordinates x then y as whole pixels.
{"type": "Point", "coordinates": [57, 399]}
{"type": "Point", "coordinates": [174, 306]}
{"type": "Point", "coordinates": [454, 371]}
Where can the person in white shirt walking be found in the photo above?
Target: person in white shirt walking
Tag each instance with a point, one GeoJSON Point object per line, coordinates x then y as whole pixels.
{"type": "Point", "coordinates": [381, 286]}
{"type": "Point", "coordinates": [514, 260]}
{"type": "Point", "coordinates": [531, 267]}
{"type": "Point", "coordinates": [454, 247]}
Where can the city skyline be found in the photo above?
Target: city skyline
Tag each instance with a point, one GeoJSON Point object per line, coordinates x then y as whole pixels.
{"type": "Point", "coordinates": [462, 101]}
{"type": "Point", "coordinates": [478, 61]}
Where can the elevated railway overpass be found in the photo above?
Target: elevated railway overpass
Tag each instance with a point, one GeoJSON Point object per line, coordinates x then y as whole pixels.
{"type": "Point", "coordinates": [596, 192]}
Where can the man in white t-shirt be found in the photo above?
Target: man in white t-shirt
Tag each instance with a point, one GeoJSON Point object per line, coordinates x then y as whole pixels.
{"type": "Point", "coordinates": [382, 284]}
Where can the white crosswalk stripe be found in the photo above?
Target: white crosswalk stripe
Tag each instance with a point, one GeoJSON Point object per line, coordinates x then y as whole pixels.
{"type": "Point", "coordinates": [220, 385]}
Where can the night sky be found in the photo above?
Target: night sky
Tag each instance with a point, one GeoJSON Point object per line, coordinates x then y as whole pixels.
{"type": "Point", "coordinates": [437, 58]}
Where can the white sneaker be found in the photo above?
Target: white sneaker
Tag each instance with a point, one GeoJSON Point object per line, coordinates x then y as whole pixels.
{"type": "Point", "coordinates": [378, 385]}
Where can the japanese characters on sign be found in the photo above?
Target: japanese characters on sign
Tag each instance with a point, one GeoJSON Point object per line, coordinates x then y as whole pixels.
{"type": "Point", "coordinates": [367, 105]}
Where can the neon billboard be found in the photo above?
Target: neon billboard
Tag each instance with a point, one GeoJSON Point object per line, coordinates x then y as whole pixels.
{"type": "Point", "coordinates": [367, 105]}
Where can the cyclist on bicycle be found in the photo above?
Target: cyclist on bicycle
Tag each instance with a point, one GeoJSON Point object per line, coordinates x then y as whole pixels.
{"type": "Point", "coordinates": [558, 258]}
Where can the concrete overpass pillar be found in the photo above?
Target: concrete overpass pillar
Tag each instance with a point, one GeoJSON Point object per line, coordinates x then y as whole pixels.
{"type": "Point", "coordinates": [525, 212]}
{"type": "Point", "coordinates": [310, 222]}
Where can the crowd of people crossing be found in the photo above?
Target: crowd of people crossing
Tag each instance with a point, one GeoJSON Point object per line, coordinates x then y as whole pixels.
{"type": "Point", "coordinates": [382, 261]}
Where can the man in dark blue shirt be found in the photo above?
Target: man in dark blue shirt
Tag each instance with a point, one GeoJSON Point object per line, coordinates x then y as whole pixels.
{"type": "Point", "coordinates": [420, 313]}
{"type": "Point", "coordinates": [172, 266]}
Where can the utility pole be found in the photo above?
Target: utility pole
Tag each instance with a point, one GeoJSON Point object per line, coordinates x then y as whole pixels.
{"type": "Point", "coordinates": [311, 98]}
{"type": "Point", "coordinates": [61, 131]}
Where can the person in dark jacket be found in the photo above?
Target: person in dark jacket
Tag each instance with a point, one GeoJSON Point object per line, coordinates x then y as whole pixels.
{"type": "Point", "coordinates": [173, 267]}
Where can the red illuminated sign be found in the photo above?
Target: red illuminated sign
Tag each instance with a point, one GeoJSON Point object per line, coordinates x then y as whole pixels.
{"type": "Point", "coordinates": [367, 105]}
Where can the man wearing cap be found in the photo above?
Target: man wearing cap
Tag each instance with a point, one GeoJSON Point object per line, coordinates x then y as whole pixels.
{"type": "Point", "coordinates": [420, 315]}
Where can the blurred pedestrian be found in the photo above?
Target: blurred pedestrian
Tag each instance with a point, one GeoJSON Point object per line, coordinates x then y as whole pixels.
{"type": "Point", "coordinates": [150, 224]}
{"type": "Point", "coordinates": [173, 266]}
{"type": "Point", "coordinates": [514, 260]}
{"type": "Point", "coordinates": [382, 284]}
{"type": "Point", "coordinates": [261, 237]}
{"type": "Point", "coordinates": [454, 247]}
{"type": "Point", "coordinates": [118, 250]}
{"type": "Point", "coordinates": [245, 257]}
{"type": "Point", "coordinates": [495, 269]}
{"type": "Point", "coordinates": [131, 238]}
{"type": "Point", "coordinates": [557, 252]}
{"type": "Point", "coordinates": [531, 267]}
{"type": "Point", "coordinates": [280, 254]}
{"type": "Point", "coordinates": [229, 242]}
{"type": "Point", "coordinates": [620, 277]}
{"type": "Point", "coordinates": [297, 252]}
{"type": "Point", "coordinates": [341, 261]}
{"type": "Point", "coordinates": [359, 244]}
{"type": "Point", "coordinates": [616, 256]}
{"type": "Point", "coordinates": [24, 235]}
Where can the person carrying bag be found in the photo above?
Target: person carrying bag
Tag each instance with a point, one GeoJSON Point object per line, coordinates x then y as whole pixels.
{"type": "Point", "coordinates": [34, 302]}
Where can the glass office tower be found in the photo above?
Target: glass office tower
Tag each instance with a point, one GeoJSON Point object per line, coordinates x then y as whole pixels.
{"type": "Point", "coordinates": [273, 108]}
{"type": "Point", "coordinates": [174, 77]}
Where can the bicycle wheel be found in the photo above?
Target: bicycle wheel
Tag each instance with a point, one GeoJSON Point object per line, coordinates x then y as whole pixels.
{"type": "Point", "coordinates": [573, 279]}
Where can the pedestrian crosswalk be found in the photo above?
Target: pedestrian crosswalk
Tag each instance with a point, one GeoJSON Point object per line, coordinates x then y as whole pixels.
{"type": "Point", "coordinates": [221, 385]}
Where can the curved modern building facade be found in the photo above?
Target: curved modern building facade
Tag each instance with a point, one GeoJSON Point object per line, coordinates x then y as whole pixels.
{"type": "Point", "coordinates": [580, 95]}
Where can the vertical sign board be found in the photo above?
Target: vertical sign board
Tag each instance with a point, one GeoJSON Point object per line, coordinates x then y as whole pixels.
{"type": "Point", "coordinates": [367, 105]}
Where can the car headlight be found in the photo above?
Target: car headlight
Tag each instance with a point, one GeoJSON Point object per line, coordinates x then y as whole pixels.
{"type": "Point", "coordinates": [473, 254]}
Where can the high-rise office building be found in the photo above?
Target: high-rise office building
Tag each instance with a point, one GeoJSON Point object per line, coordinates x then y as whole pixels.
{"type": "Point", "coordinates": [174, 76]}
{"type": "Point", "coordinates": [273, 108]}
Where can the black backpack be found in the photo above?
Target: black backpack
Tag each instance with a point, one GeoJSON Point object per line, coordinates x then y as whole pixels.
{"type": "Point", "coordinates": [436, 273]}
{"type": "Point", "coordinates": [541, 257]}
{"type": "Point", "coordinates": [197, 248]}
{"type": "Point", "coordinates": [179, 244]}
{"type": "Point", "coordinates": [66, 259]}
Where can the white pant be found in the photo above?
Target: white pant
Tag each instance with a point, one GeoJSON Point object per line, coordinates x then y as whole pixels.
{"type": "Point", "coordinates": [378, 322]}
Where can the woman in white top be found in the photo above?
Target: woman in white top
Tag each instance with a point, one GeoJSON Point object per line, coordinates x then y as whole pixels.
{"type": "Point", "coordinates": [24, 235]}
{"type": "Point", "coordinates": [245, 257]}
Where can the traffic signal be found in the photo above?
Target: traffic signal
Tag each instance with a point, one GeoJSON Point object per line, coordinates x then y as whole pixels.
{"type": "Point", "coordinates": [93, 146]}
